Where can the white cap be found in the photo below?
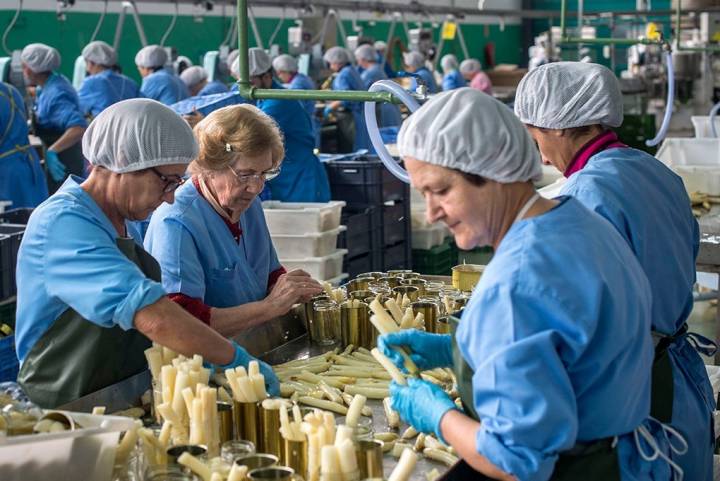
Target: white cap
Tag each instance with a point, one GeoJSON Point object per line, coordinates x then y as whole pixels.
{"type": "Point", "coordinates": [337, 55]}
{"type": "Point", "coordinates": [192, 76]}
{"type": "Point", "coordinates": [467, 130]}
{"type": "Point", "coordinates": [470, 65]}
{"type": "Point", "coordinates": [231, 57]}
{"type": "Point", "coordinates": [285, 63]}
{"type": "Point", "coordinates": [100, 53]}
{"type": "Point", "coordinates": [582, 94]}
{"type": "Point", "coordinates": [380, 46]}
{"type": "Point", "coordinates": [40, 57]}
{"type": "Point", "coordinates": [366, 52]}
{"type": "Point", "coordinates": [413, 59]}
{"type": "Point", "coordinates": [152, 56]}
{"type": "Point", "coordinates": [235, 67]}
{"type": "Point", "coordinates": [258, 61]}
{"type": "Point", "coordinates": [138, 134]}
{"type": "Point", "coordinates": [449, 63]}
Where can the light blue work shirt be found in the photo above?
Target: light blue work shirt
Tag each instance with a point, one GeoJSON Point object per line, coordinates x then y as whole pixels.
{"type": "Point", "coordinates": [214, 87]}
{"type": "Point", "coordinates": [349, 79]}
{"type": "Point", "coordinates": [199, 256]}
{"type": "Point", "coordinates": [303, 82]}
{"type": "Point", "coordinates": [453, 80]}
{"type": "Point", "coordinates": [649, 206]}
{"type": "Point", "coordinates": [557, 333]}
{"type": "Point", "coordinates": [429, 79]}
{"type": "Point", "coordinates": [22, 180]}
{"type": "Point", "coordinates": [302, 177]}
{"type": "Point", "coordinates": [57, 107]}
{"type": "Point", "coordinates": [69, 259]}
{"type": "Point", "coordinates": [164, 87]}
{"type": "Point", "coordinates": [389, 113]}
{"type": "Point", "coordinates": [104, 89]}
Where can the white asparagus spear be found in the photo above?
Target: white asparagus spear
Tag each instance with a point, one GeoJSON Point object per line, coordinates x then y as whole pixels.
{"type": "Point", "coordinates": [353, 414]}
{"type": "Point", "coordinates": [404, 467]}
{"type": "Point", "coordinates": [196, 466]}
{"type": "Point", "coordinates": [389, 366]}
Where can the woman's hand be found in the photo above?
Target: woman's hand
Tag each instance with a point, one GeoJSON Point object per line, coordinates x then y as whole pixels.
{"type": "Point", "coordinates": [291, 288]}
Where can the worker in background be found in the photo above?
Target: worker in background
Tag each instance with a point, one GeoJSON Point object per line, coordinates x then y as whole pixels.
{"type": "Point", "coordinates": [103, 86]}
{"type": "Point", "coordinates": [452, 78]}
{"type": "Point", "coordinates": [195, 79]}
{"type": "Point", "coordinates": [57, 118]}
{"type": "Point", "coordinates": [382, 58]}
{"type": "Point", "coordinates": [347, 78]}
{"type": "Point", "coordinates": [286, 69]}
{"type": "Point", "coordinates": [471, 70]}
{"type": "Point", "coordinates": [366, 57]}
{"type": "Point", "coordinates": [553, 352]}
{"type": "Point", "coordinates": [100, 302]}
{"type": "Point", "coordinates": [415, 63]}
{"type": "Point", "coordinates": [158, 83]}
{"type": "Point", "coordinates": [213, 245]}
{"type": "Point", "coordinates": [22, 180]}
{"type": "Point", "coordinates": [573, 123]}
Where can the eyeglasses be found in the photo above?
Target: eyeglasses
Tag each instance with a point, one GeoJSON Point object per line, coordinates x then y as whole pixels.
{"type": "Point", "coordinates": [262, 176]}
{"type": "Point", "coordinates": [171, 183]}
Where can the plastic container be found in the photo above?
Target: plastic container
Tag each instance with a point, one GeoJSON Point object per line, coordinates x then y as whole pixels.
{"type": "Point", "coordinates": [307, 245]}
{"type": "Point", "coordinates": [425, 238]}
{"type": "Point", "coordinates": [363, 183]}
{"type": "Point", "coordinates": [702, 126]}
{"type": "Point", "coordinates": [358, 265]}
{"type": "Point", "coordinates": [16, 216]}
{"type": "Point", "coordinates": [362, 229]}
{"type": "Point", "coordinates": [437, 261]}
{"type": "Point", "coordinates": [10, 238]}
{"type": "Point", "coordinates": [396, 218]}
{"type": "Point", "coordinates": [295, 218]}
{"type": "Point", "coordinates": [83, 454]}
{"type": "Point", "coordinates": [397, 257]}
{"type": "Point", "coordinates": [697, 161]}
{"type": "Point", "coordinates": [320, 268]}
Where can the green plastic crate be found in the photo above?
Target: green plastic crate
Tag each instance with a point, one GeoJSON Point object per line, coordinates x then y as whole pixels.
{"type": "Point", "coordinates": [437, 261]}
{"type": "Point", "coordinates": [479, 255]}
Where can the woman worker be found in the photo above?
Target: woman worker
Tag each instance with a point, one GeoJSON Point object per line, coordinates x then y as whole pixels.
{"type": "Point", "coordinates": [158, 83]}
{"type": "Point", "coordinates": [452, 78]}
{"type": "Point", "coordinates": [57, 118]}
{"type": "Point", "coordinates": [213, 245]}
{"type": "Point", "coordinates": [471, 70]}
{"type": "Point", "coordinates": [89, 297]}
{"type": "Point", "coordinates": [286, 69]}
{"type": "Point", "coordinates": [648, 205]}
{"type": "Point", "coordinates": [366, 57]}
{"type": "Point", "coordinates": [552, 354]}
{"type": "Point", "coordinates": [196, 80]}
{"type": "Point", "coordinates": [415, 63]}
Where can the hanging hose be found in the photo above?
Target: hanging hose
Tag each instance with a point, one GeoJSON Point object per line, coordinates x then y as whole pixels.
{"type": "Point", "coordinates": [170, 27]}
{"type": "Point", "coordinates": [374, 132]}
{"type": "Point", "coordinates": [713, 113]}
{"type": "Point", "coordinates": [10, 26]}
{"type": "Point", "coordinates": [100, 22]}
{"type": "Point", "coordinates": [668, 104]}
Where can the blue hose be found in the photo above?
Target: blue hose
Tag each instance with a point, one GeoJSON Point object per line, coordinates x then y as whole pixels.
{"type": "Point", "coordinates": [668, 104]}
{"type": "Point", "coordinates": [713, 113]}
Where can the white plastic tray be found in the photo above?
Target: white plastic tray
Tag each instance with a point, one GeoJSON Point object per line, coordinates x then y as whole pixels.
{"type": "Point", "coordinates": [428, 237]}
{"type": "Point", "coordinates": [83, 454]}
{"type": "Point", "coordinates": [697, 161]}
{"type": "Point", "coordinates": [320, 268]}
{"type": "Point", "coordinates": [306, 245]}
{"type": "Point", "coordinates": [702, 126]}
{"type": "Point", "coordinates": [294, 218]}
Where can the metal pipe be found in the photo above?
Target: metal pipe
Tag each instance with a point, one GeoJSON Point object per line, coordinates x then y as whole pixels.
{"type": "Point", "coordinates": [242, 24]}
{"type": "Point", "coordinates": [678, 30]}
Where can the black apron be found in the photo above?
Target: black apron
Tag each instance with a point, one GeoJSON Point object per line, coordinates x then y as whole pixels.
{"type": "Point", "coordinates": [72, 157]}
{"type": "Point", "coordinates": [663, 391]}
{"type": "Point", "coordinates": [592, 461]}
{"type": "Point", "coordinates": [76, 357]}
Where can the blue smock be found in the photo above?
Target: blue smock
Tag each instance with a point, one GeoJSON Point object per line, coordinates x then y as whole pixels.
{"type": "Point", "coordinates": [349, 79]}
{"type": "Point", "coordinates": [57, 107]}
{"type": "Point", "coordinates": [68, 258]}
{"type": "Point", "coordinates": [302, 177]}
{"type": "Point", "coordinates": [103, 89]}
{"type": "Point", "coordinates": [389, 113]}
{"type": "Point", "coordinates": [453, 80]}
{"type": "Point", "coordinates": [199, 256]}
{"type": "Point", "coordinates": [22, 180]}
{"type": "Point", "coordinates": [303, 82]}
{"type": "Point", "coordinates": [214, 87]}
{"type": "Point", "coordinates": [429, 79]}
{"type": "Point", "coordinates": [164, 87]}
{"type": "Point", "coordinates": [387, 68]}
{"type": "Point", "coordinates": [648, 204]}
{"type": "Point", "coordinates": [557, 333]}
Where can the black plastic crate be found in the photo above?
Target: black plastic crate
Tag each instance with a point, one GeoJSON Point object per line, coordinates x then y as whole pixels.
{"type": "Point", "coordinates": [364, 182]}
{"type": "Point", "coordinates": [396, 219]}
{"type": "Point", "coordinates": [363, 227]}
{"type": "Point", "coordinates": [16, 216]}
{"type": "Point", "coordinates": [438, 260]}
{"type": "Point", "coordinates": [397, 257]}
{"type": "Point", "coordinates": [357, 265]}
{"type": "Point", "coordinates": [10, 238]}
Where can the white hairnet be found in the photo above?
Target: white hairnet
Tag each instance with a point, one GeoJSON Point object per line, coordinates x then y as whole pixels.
{"type": "Point", "coordinates": [380, 46]}
{"type": "Point", "coordinates": [413, 59]}
{"type": "Point", "coordinates": [192, 76]}
{"type": "Point", "coordinates": [366, 52]}
{"type": "Point", "coordinates": [100, 53]}
{"type": "Point", "coordinates": [470, 65]}
{"type": "Point", "coordinates": [467, 130]}
{"type": "Point", "coordinates": [138, 134]}
{"type": "Point", "coordinates": [258, 61]}
{"type": "Point", "coordinates": [40, 57]}
{"type": "Point", "coordinates": [337, 55]}
{"type": "Point", "coordinates": [449, 63]}
{"type": "Point", "coordinates": [231, 57]}
{"type": "Point", "coordinates": [235, 67]}
{"type": "Point", "coordinates": [152, 56]}
{"type": "Point", "coordinates": [565, 95]}
{"type": "Point", "coordinates": [285, 63]}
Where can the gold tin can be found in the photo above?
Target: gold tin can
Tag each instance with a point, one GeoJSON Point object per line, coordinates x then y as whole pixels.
{"type": "Point", "coordinates": [361, 294]}
{"type": "Point", "coordinates": [270, 438]}
{"type": "Point", "coordinates": [276, 473]}
{"type": "Point", "coordinates": [246, 421]}
{"type": "Point", "coordinates": [225, 418]}
{"type": "Point", "coordinates": [466, 276]}
{"type": "Point", "coordinates": [174, 452]}
{"type": "Point", "coordinates": [412, 292]}
{"type": "Point", "coordinates": [392, 281]}
{"type": "Point", "coordinates": [351, 319]}
{"type": "Point", "coordinates": [429, 311]}
{"type": "Point", "coordinates": [419, 283]}
{"type": "Point", "coordinates": [257, 461]}
{"type": "Point", "coordinates": [442, 325]}
{"type": "Point", "coordinates": [294, 455]}
{"type": "Point", "coordinates": [369, 459]}
{"type": "Point", "coordinates": [359, 284]}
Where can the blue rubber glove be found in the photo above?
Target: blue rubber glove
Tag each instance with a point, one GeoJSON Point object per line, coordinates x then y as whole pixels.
{"type": "Point", "coordinates": [421, 404]}
{"type": "Point", "coordinates": [55, 167]}
{"type": "Point", "coordinates": [327, 111]}
{"type": "Point", "coordinates": [243, 358]}
{"type": "Point", "coordinates": [427, 351]}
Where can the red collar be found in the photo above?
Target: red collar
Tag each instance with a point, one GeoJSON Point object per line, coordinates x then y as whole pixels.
{"type": "Point", "coordinates": [235, 229]}
{"type": "Point", "coordinates": [604, 141]}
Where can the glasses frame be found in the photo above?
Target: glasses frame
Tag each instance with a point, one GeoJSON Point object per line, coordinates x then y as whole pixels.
{"type": "Point", "coordinates": [171, 185]}
{"type": "Point", "coordinates": [262, 176]}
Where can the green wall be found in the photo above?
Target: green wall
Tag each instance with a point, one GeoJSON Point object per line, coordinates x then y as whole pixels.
{"type": "Point", "coordinates": [194, 39]}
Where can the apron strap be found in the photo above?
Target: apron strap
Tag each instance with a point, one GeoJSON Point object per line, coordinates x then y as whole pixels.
{"type": "Point", "coordinates": [702, 344]}
{"type": "Point", "coordinates": [643, 434]}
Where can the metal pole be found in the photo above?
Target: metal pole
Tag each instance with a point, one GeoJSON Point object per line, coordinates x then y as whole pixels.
{"type": "Point", "coordinates": [579, 26]}
{"type": "Point", "coordinates": [563, 11]}
{"type": "Point", "coordinates": [242, 23]}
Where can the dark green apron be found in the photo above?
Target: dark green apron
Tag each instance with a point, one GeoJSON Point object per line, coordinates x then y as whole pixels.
{"type": "Point", "coordinates": [72, 157]}
{"type": "Point", "coordinates": [592, 461]}
{"type": "Point", "coordinates": [76, 357]}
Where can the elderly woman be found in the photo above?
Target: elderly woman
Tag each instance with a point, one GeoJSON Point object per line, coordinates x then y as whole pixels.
{"type": "Point", "coordinates": [415, 63]}
{"type": "Point", "coordinates": [552, 354]}
{"type": "Point", "coordinates": [213, 245]}
{"type": "Point", "coordinates": [471, 70]}
{"type": "Point", "coordinates": [648, 205]}
{"type": "Point", "coordinates": [158, 83]}
{"type": "Point", "coordinates": [195, 79]}
{"type": "Point", "coordinates": [286, 69]}
{"type": "Point", "coordinates": [452, 78]}
{"type": "Point", "coordinates": [366, 57]}
{"type": "Point", "coordinates": [89, 297]}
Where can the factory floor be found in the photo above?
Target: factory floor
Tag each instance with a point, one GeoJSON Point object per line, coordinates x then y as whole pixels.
{"type": "Point", "coordinates": [703, 321]}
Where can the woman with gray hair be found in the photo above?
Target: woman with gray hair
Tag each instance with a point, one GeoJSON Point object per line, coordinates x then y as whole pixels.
{"type": "Point", "coordinates": [452, 78]}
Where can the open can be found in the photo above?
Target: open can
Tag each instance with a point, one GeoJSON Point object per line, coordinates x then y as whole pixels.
{"type": "Point", "coordinates": [246, 421]}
